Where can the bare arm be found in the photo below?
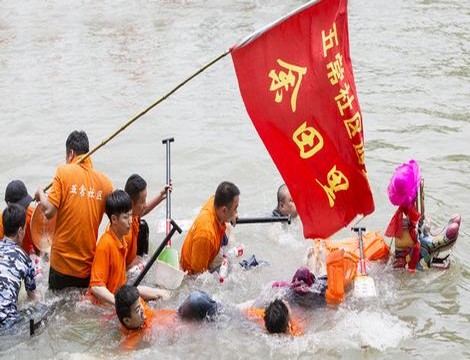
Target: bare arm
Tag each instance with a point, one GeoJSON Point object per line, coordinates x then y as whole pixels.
{"type": "Point", "coordinates": [47, 207]}
{"type": "Point", "coordinates": [149, 293]}
{"type": "Point", "coordinates": [149, 206]}
{"type": "Point", "coordinates": [102, 293]}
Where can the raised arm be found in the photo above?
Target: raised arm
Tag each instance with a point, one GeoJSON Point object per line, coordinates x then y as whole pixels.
{"type": "Point", "coordinates": [150, 205]}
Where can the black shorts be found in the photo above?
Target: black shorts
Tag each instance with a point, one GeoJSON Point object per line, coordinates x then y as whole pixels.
{"type": "Point", "coordinates": [58, 281]}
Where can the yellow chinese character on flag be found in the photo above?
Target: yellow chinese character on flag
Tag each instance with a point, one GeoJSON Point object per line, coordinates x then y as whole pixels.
{"type": "Point", "coordinates": [335, 70]}
{"type": "Point", "coordinates": [336, 182]}
{"type": "Point", "coordinates": [330, 40]}
{"type": "Point", "coordinates": [344, 100]}
{"type": "Point", "coordinates": [308, 139]}
{"type": "Point", "coordinates": [353, 125]}
{"type": "Point", "coordinates": [283, 80]}
{"type": "Point", "coordinates": [359, 149]}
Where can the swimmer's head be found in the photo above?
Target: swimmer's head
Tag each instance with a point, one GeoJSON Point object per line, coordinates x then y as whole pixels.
{"type": "Point", "coordinates": [129, 308]}
{"type": "Point", "coordinates": [198, 306]}
{"type": "Point", "coordinates": [277, 317]}
{"type": "Point", "coordinates": [285, 204]}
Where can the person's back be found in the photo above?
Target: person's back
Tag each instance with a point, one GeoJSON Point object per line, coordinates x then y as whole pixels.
{"type": "Point", "coordinates": [15, 265]}
{"type": "Point", "coordinates": [80, 198]}
{"type": "Point", "coordinates": [77, 196]}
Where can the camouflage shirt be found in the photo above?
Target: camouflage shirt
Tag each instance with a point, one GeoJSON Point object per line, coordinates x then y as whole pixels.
{"type": "Point", "coordinates": [15, 266]}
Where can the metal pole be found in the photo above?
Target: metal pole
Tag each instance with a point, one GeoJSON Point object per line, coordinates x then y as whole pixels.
{"type": "Point", "coordinates": [259, 220]}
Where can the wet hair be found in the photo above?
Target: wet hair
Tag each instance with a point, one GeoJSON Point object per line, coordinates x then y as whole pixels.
{"type": "Point", "coordinates": [13, 218]}
{"type": "Point", "coordinates": [124, 297]}
{"type": "Point", "coordinates": [134, 186]}
{"type": "Point", "coordinates": [281, 194]}
{"type": "Point", "coordinates": [117, 203]}
{"type": "Point", "coordinates": [78, 142]}
{"type": "Point", "coordinates": [225, 193]}
{"type": "Point", "coordinates": [198, 306]}
{"type": "Point", "coordinates": [276, 317]}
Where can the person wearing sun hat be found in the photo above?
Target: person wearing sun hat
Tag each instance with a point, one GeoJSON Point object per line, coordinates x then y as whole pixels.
{"type": "Point", "coordinates": [16, 193]}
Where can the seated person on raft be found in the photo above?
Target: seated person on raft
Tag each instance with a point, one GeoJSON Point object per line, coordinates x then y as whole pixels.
{"type": "Point", "coordinates": [15, 266]}
{"type": "Point", "coordinates": [136, 317]}
{"type": "Point", "coordinates": [108, 272]}
{"type": "Point", "coordinates": [285, 204]}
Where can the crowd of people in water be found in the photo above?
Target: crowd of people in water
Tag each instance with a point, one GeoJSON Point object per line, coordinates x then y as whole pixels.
{"type": "Point", "coordinates": [79, 197]}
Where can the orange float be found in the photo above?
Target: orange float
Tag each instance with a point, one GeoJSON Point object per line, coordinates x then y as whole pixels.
{"type": "Point", "coordinates": [42, 229]}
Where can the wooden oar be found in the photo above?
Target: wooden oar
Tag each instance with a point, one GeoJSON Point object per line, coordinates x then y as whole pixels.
{"type": "Point", "coordinates": [364, 285]}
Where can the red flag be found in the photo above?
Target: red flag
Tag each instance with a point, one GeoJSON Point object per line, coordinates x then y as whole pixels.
{"type": "Point", "coordinates": [296, 80]}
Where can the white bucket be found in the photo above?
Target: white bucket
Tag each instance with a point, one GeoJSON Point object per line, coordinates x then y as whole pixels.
{"type": "Point", "coordinates": [168, 276]}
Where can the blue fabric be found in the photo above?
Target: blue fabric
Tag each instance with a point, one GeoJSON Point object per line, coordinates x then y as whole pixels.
{"type": "Point", "coordinates": [15, 266]}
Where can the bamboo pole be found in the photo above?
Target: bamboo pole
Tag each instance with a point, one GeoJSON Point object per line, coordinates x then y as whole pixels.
{"type": "Point", "coordinates": [142, 113]}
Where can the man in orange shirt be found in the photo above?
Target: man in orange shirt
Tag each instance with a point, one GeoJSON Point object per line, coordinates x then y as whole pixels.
{"type": "Point", "coordinates": [77, 196]}
{"type": "Point", "coordinates": [205, 237]}
{"type": "Point", "coordinates": [16, 193]}
{"type": "Point", "coordinates": [108, 272]}
{"type": "Point", "coordinates": [136, 187]}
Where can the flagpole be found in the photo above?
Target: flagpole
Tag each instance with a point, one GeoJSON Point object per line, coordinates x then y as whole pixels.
{"type": "Point", "coordinates": [142, 113]}
{"type": "Point", "coordinates": [247, 39]}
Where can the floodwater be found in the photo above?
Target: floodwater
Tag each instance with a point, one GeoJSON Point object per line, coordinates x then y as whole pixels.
{"type": "Point", "coordinates": [94, 65]}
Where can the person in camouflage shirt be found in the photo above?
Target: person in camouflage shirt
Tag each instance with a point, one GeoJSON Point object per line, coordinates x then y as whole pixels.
{"type": "Point", "coordinates": [15, 266]}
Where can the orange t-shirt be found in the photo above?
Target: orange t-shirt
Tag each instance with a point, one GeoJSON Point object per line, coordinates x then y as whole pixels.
{"type": "Point", "coordinates": [203, 241]}
{"type": "Point", "coordinates": [257, 315]}
{"type": "Point", "coordinates": [27, 244]}
{"type": "Point", "coordinates": [164, 317]}
{"type": "Point", "coordinates": [79, 193]}
{"type": "Point", "coordinates": [131, 240]}
{"type": "Point", "coordinates": [109, 265]}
